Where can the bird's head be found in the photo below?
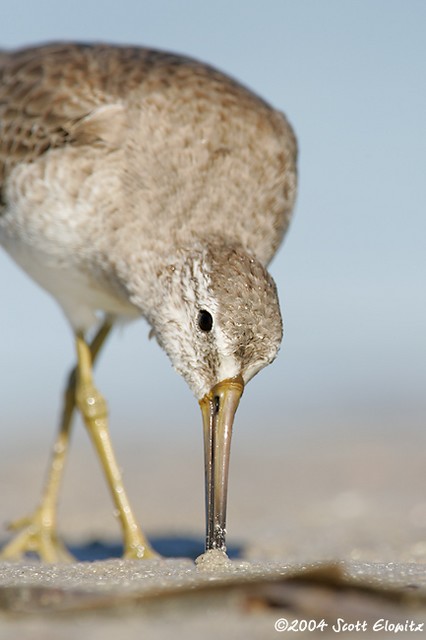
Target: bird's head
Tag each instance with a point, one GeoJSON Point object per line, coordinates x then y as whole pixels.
{"type": "Point", "coordinates": [219, 321]}
{"type": "Point", "coordinates": [218, 316]}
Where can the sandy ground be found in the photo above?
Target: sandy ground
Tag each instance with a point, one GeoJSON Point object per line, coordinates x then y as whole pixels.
{"type": "Point", "coordinates": [344, 513]}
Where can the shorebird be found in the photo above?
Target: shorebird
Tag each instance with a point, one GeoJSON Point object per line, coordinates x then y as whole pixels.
{"type": "Point", "coordinates": [139, 183]}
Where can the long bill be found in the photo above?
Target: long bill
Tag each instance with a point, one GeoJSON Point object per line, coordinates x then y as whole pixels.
{"type": "Point", "coordinates": [218, 408]}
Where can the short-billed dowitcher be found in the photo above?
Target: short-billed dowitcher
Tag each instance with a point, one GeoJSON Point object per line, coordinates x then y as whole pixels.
{"type": "Point", "coordinates": [139, 183]}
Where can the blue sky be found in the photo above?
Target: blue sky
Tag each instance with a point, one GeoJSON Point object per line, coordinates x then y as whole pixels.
{"type": "Point", "coordinates": [350, 75]}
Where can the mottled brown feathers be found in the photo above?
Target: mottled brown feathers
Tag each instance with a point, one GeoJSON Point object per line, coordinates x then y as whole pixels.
{"type": "Point", "coordinates": [48, 92]}
{"type": "Point", "coordinates": [192, 143]}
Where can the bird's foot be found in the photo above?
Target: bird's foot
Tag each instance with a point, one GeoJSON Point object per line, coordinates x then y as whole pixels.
{"type": "Point", "coordinates": [37, 535]}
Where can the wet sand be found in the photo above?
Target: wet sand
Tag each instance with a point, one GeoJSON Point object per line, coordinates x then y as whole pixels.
{"type": "Point", "coordinates": [328, 527]}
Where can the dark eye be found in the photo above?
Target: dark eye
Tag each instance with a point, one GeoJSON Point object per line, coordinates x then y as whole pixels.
{"type": "Point", "coordinates": [205, 320]}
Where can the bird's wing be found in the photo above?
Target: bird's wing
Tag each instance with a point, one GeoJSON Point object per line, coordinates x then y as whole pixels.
{"type": "Point", "coordinates": [61, 94]}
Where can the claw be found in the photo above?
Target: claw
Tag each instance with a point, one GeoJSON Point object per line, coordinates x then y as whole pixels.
{"type": "Point", "coordinates": [36, 535]}
{"type": "Point", "coordinates": [16, 525]}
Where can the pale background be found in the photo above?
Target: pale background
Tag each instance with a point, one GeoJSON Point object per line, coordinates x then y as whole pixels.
{"type": "Point", "coordinates": [350, 75]}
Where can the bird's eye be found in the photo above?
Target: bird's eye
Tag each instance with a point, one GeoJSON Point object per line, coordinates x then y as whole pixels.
{"type": "Point", "coordinates": [205, 320]}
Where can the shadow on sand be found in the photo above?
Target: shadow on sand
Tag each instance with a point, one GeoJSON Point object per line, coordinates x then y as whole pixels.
{"type": "Point", "coordinates": [167, 546]}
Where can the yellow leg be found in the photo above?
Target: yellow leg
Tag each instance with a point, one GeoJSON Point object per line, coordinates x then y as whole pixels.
{"type": "Point", "coordinates": [94, 411]}
{"type": "Point", "coordinates": [38, 533]}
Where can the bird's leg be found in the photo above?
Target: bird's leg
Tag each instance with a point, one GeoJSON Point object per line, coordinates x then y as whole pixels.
{"type": "Point", "coordinates": [39, 529]}
{"type": "Point", "coordinates": [94, 411]}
